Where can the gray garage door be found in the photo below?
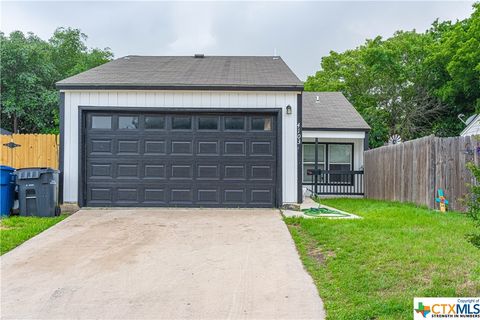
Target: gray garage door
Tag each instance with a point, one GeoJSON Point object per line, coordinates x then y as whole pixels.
{"type": "Point", "coordinates": [204, 160]}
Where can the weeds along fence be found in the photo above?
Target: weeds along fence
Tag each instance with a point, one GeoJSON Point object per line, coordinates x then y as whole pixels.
{"type": "Point", "coordinates": [29, 150]}
{"type": "Point", "coordinates": [413, 171]}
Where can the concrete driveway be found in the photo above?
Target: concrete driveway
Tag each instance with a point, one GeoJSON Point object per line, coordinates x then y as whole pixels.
{"type": "Point", "coordinates": [160, 264]}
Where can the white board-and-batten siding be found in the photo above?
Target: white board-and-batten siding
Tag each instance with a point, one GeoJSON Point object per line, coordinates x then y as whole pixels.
{"type": "Point", "coordinates": [179, 99]}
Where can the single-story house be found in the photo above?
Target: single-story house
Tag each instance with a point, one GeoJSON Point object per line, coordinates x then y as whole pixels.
{"type": "Point", "coordinates": [472, 126]}
{"type": "Point", "coordinates": [205, 131]}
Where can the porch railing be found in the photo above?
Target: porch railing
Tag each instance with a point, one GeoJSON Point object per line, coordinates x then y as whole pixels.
{"type": "Point", "coordinates": [335, 182]}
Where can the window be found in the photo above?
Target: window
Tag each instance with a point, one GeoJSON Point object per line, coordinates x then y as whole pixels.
{"type": "Point", "coordinates": [262, 124]}
{"type": "Point", "coordinates": [181, 123]}
{"type": "Point", "coordinates": [331, 156]}
{"type": "Point", "coordinates": [309, 160]}
{"type": "Point", "coordinates": [340, 158]}
{"type": "Point", "coordinates": [127, 122]}
{"type": "Point", "coordinates": [154, 122]}
{"type": "Point", "coordinates": [234, 123]}
{"type": "Point", "coordinates": [101, 122]}
{"type": "Point", "coordinates": [207, 123]}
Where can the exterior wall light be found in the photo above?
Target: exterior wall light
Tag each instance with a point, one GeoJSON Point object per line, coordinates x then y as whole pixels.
{"type": "Point", "coordinates": [289, 109]}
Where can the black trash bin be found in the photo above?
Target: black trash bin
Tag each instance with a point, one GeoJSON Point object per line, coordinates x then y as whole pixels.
{"type": "Point", "coordinates": [38, 192]}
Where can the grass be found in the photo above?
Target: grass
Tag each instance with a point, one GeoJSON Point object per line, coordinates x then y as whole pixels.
{"type": "Point", "coordinates": [373, 268]}
{"type": "Point", "coordinates": [16, 230]}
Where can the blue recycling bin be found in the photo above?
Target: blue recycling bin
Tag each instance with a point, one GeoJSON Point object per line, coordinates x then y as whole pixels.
{"type": "Point", "coordinates": [7, 191]}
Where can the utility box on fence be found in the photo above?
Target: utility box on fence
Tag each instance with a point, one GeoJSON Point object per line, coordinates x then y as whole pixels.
{"type": "Point", "coordinates": [38, 192]}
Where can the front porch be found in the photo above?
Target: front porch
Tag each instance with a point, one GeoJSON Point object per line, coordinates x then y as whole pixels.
{"type": "Point", "coordinates": [333, 166]}
{"type": "Point", "coordinates": [334, 136]}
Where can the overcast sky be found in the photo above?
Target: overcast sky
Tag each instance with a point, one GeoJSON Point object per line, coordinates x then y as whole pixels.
{"type": "Point", "coordinates": [301, 32]}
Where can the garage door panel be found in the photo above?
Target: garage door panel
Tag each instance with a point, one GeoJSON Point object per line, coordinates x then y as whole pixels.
{"type": "Point", "coordinates": [128, 147]}
{"type": "Point", "coordinates": [179, 147]}
{"type": "Point", "coordinates": [213, 166]}
{"type": "Point", "coordinates": [154, 147]}
{"type": "Point", "coordinates": [128, 171]}
{"type": "Point", "coordinates": [208, 195]}
{"type": "Point", "coordinates": [208, 172]}
{"type": "Point", "coordinates": [154, 171]}
{"type": "Point", "coordinates": [100, 195]}
{"type": "Point", "coordinates": [181, 195]}
{"type": "Point", "coordinates": [235, 172]}
{"type": "Point", "coordinates": [127, 195]}
{"type": "Point", "coordinates": [208, 148]}
{"type": "Point", "coordinates": [261, 172]}
{"type": "Point", "coordinates": [100, 146]}
{"type": "Point", "coordinates": [261, 195]}
{"type": "Point", "coordinates": [234, 196]}
{"type": "Point", "coordinates": [100, 172]}
{"type": "Point", "coordinates": [234, 148]}
{"type": "Point", "coordinates": [154, 196]}
{"type": "Point", "coordinates": [181, 172]}
{"type": "Point", "coordinates": [261, 148]}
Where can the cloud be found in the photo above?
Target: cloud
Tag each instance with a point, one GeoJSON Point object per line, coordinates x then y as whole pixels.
{"type": "Point", "coordinates": [192, 28]}
{"type": "Point", "coordinates": [301, 32]}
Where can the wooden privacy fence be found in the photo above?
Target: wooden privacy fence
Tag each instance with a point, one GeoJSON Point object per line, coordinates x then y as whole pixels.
{"type": "Point", "coordinates": [413, 171]}
{"type": "Point", "coordinates": [35, 150]}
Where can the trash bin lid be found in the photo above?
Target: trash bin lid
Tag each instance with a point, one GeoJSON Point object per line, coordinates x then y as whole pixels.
{"type": "Point", "coordinates": [6, 168]}
{"type": "Point", "coordinates": [33, 173]}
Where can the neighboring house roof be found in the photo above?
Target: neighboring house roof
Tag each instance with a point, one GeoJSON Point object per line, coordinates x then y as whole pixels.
{"type": "Point", "coordinates": [189, 72]}
{"type": "Point", "coordinates": [473, 126]}
{"type": "Point", "coordinates": [5, 132]}
{"type": "Point", "coordinates": [330, 111]}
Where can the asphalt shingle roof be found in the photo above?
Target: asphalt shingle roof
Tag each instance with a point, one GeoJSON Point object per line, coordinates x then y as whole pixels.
{"type": "Point", "coordinates": [188, 71]}
{"type": "Point", "coordinates": [331, 111]}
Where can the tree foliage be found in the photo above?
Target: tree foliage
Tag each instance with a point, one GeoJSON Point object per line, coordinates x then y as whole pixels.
{"type": "Point", "coordinates": [29, 69]}
{"type": "Point", "coordinates": [412, 84]}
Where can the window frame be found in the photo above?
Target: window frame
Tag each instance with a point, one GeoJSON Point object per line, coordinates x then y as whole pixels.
{"type": "Point", "coordinates": [327, 160]}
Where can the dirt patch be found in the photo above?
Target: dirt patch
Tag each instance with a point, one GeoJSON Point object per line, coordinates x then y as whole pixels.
{"type": "Point", "coordinates": [316, 253]}
{"type": "Point", "coordinates": [2, 227]}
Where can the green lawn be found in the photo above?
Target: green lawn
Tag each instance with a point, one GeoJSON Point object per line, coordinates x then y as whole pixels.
{"type": "Point", "coordinates": [374, 267]}
{"type": "Point", "coordinates": [16, 230]}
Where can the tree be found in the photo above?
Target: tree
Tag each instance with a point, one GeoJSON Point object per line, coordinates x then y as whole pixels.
{"type": "Point", "coordinates": [30, 67]}
{"type": "Point", "coordinates": [412, 84]}
{"type": "Point", "coordinates": [27, 75]}
{"type": "Point", "coordinates": [455, 65]}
